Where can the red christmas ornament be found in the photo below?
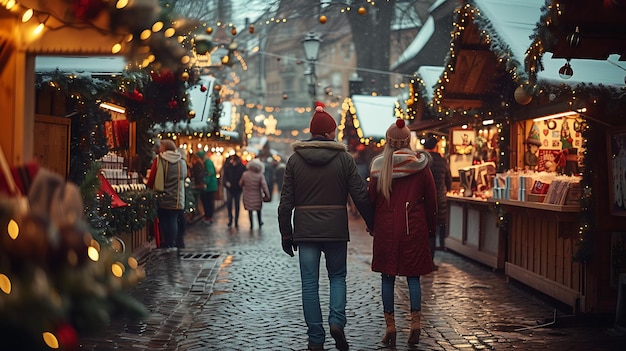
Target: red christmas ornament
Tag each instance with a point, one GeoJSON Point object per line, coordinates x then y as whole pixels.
{"type": "Point", "coordinates": [87, 9]}
{"type": "Point", "coordinates": [202, 88]}
{"type": "Point", "coordinates": [251, 29]}
{"type": "Point", "coordinates": [164, 76]}
{"type": "Point", "coordinates": [172, 104]}
{"type": "Point", "coordinates": [67, 337]}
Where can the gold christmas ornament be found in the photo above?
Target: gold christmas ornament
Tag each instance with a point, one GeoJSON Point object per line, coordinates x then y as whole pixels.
{"type": "Point", "coordinates": [251, 29]}
{"type": "Point", "coordinates": [209, 30]}
{"type": "Point", "coordinates": [233, 31]}
{"type": "Point", "coordinates": [323, 19]}
{"type": "Point", "coordinates": [362, 11]}
{"type": "Point", "coordinates": [522, 97]}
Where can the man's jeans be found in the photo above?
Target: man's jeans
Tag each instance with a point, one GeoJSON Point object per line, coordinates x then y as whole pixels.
{"type": "Point", "coordinates": [172, 226]}
{"type": "Point", "coordinates": [335, 254]}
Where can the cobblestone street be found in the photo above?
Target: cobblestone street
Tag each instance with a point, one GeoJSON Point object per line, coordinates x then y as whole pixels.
{"type": "Point", "coordinates": [234, 289]}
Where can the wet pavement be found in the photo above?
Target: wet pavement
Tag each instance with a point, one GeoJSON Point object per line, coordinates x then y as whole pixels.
{"type": "Point", "coordinates": [234, 289]}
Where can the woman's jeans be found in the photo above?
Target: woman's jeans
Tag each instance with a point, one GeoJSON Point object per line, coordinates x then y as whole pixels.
{"type": "Point", "coordinates": [172, 226]}
{"type": "Point", "coordinates": [335, 254]}
{"type": "Point", "coordinates": [415, 292]}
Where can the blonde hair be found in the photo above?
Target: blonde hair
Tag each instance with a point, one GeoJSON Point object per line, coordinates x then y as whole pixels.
{"type": "Point", "coordinates": [386, 176]}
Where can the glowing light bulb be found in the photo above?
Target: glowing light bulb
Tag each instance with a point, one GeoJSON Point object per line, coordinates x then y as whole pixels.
{"type": "Point", "coordinates": [27, 15]}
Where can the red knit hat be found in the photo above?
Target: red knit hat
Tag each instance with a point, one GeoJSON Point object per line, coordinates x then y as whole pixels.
{"type": "Point", "coordinates": [322, 122]}
{"type": "Point", "coordinates": [398, 135]}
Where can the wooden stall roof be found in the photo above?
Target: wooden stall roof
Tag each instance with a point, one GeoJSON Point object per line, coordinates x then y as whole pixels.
{"type": "Point", "coordinates": [600, 25]}
{"type": "Point", "coordinates": [489, 50]}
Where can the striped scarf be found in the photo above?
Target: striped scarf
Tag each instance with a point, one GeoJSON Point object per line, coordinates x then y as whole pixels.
{"type": "Point", "coordinates": [405, 162]}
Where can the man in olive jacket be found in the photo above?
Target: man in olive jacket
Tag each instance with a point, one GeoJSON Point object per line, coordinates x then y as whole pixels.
{"type": "Point", "coordinates": [318, 178]}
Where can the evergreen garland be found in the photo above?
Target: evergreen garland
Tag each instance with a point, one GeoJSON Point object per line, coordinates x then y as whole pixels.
{"type": "Point", "coordinates": [83, 96]}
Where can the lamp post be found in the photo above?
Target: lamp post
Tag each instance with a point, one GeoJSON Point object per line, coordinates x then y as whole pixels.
{"type": "Point", "coordinates": [311, 44]}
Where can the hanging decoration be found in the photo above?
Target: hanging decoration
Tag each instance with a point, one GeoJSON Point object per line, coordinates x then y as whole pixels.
{"type": "Point", "coordinates": [522, 96]}
{"type": "Point", "coordinates": [566, 71]}
{"type": "Point", "coordinates": [574, 39]}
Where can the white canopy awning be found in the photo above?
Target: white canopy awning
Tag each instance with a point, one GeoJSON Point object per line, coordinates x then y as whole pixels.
{"type": "Point", "coordinates": [375, 114]}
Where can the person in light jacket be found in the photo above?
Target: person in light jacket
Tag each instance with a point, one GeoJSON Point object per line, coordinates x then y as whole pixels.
{"type": "Point", "coordinates": [171, 201]}
{"type": "Point", "coordinates": [318, 178]}
{"type": "Point", "coordinates": [404, 194]}
{"type": "Point", "coordinates": [255, 189]}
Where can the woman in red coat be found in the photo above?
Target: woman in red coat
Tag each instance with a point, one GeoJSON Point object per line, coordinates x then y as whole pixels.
{"type": "Point", "coordinates": [403, 191]}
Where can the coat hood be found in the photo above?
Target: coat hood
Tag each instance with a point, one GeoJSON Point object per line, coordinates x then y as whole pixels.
{"type": "Point", "coordinates": [318, 152]}
{"type": "Point", "coordinates": [171, 156]}
{"type": "Point", "coordinates": [256, 166]}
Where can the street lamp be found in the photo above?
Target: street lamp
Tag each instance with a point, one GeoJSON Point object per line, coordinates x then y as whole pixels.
{"type": "Point", "coordinates": [311, 44]}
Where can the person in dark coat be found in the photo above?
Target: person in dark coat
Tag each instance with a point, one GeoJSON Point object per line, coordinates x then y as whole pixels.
{"type": "Point", "coordinates": [403, 191]}
{"type": "Point", "coordinates": [232, 172]}
{"type": "Point", "coordinates": [318, 178]}
{"type": "Point", "coordinates": [443, 181]}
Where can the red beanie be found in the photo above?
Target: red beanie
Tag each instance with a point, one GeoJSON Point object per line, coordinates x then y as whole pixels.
{"type": "Point", "coordinates": [322, 122]}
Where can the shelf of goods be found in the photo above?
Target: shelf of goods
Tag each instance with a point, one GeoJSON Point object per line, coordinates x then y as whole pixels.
{"type": "Point", "coordinates": [121, 181]}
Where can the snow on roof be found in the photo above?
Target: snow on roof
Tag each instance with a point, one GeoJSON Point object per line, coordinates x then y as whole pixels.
{"type": "Point", "coordinates": [96, 65]}
{"type": "Point", "coordinates": [418, 43]}
{"type": "Point", "coordinates": [514, 22]}
{"type": "Point", "coordinates": [375, 114]}
{"type": "Point", "coordinates": [430, 75]}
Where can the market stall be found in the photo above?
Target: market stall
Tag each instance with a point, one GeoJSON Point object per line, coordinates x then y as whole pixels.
{"type": "Point", "coordinates": [538, 215]}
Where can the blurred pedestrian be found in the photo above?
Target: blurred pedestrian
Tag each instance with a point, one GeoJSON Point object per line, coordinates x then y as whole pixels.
{"type": "Point", "coordinates": [207, 195]}
{"type": "Point", "coordinates": [167, 177]}
{"type": "Point", "coordinates": [255, 189]}
{"type": "Point", "coordinates": [403, 191]}
{"type": "Point", "coordinates": [318, 178]}
{"type": "Point", "coordinates": [233, 170]}
{"type": "Point", "coordinates": [443, 181]}
{"type": "Point", "coordinates": [197, 172]}
{"type": "Point", "coordinates": [269, 174]}
{"type": "Point", "coordinates": [279, 173]}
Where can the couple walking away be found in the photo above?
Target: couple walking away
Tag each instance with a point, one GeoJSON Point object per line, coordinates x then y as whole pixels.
{"type": "Point", "coordinates": [318, 178]}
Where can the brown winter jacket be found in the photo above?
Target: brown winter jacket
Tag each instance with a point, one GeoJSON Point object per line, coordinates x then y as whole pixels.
{"type": "Point", "coordinates": [318, 178]}
{"type": "Point", "coordinates": [402, 225]}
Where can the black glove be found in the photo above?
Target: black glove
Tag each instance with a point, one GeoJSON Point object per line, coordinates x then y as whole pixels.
{"type": "Point", "coordinates": [289, 246]}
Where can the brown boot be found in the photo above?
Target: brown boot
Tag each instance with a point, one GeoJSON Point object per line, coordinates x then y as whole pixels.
{"type": "Point", "coordinates": [414, 335]}
{"type": "Point", "coordinates": [390, 332]}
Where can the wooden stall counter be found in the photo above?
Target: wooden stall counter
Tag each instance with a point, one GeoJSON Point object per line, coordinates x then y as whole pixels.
{"type": "Point", "coordinates": [541, 245]}
{"type": "Point", "coordinates": [473, 230]}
